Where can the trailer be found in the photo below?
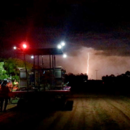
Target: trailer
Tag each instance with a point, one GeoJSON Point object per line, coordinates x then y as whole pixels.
{"type": "Point", "coordinates": [41, 99]}
{"type": "Point", "coordinates": [53, 75]}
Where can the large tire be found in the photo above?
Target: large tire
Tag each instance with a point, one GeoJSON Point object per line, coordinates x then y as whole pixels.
{"type": "Point", "coordinates": [21, 103]}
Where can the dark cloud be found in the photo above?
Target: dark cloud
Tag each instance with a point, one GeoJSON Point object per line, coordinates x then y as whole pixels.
{"type": "Point", "coordinates": [100, 28]}
{"type": "Point", "coordinates": [112, 43]}
{"type": "Point", "coordinates": [106, 65]}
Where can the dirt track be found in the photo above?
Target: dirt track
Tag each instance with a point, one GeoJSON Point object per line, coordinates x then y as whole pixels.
{"type": "Point", "coordinates": [92, 113]}
{"type": "Point", "coordinates": [83, 112]}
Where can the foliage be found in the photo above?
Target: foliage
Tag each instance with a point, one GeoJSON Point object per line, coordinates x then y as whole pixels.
{"type": "Point", "coordinates": [12, 64]}
{"type": "Point", "coordinates": [11, 67]}
{"type": "Point", "coordinates": [76, 81]}
{"type": "Point", "coordinates": [119, 84]}
{"type": "Point", "coordinates": [3, 74]}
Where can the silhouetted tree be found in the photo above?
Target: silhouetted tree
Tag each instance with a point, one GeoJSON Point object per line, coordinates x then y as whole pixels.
{"type": "Point", "coordinates": [77, 82]}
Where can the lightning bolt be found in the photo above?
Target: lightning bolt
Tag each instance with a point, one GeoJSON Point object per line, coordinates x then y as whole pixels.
{"type": "Point", "coordinates": [88, 64]}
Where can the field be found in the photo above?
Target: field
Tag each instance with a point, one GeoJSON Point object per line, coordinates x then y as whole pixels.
{"type": "Point", "coordinates": [81, 112]}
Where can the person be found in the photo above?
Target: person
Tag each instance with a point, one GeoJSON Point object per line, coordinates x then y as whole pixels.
{"type": "Point", "coordinates": [4, 96]}
{"type": "Point", "coordinates": [15, 83]}
{"type": "Point", "coordinates": [10, 86]}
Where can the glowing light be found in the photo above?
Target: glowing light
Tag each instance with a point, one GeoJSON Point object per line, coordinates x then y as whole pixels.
{"type": "Point", "coordinates": [88, 64]}
{"type": "Point", "coordinates": [15, 47]}
{"type": "Point", "coordinates": [63, 43]}
{"type": "Point", "coordinates": [64, 55]}
{"type": "Point", "coordinates": [59, 46]}
{"type": "Point", "coordinates": [24, 46]}
{"type": "Point", "coordinates": [32, 57]}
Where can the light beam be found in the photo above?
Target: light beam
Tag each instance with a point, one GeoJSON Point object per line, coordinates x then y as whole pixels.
{"type": "Point", "coordinates": [88, 64]}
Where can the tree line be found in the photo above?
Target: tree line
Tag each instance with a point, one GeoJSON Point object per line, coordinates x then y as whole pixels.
{"type": "Point", "coordinates": [9, 68]}
{"type": "Point", "coordinates": [119, 84]}
{"type": "Point", "coordinates": [111, 84]}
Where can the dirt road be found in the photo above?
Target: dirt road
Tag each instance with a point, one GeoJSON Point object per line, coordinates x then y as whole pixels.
{"type": "Point", "coordinates": [84, 112]}
{"type": "Point", "coordinates": [92, 113]}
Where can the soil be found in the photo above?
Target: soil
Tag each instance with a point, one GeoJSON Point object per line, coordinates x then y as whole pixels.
{"type": "Point", "coordinates": [81, 112]}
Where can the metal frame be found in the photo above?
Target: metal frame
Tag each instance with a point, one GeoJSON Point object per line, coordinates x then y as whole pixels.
{"type": "Point", "coordinates": [52, 52]}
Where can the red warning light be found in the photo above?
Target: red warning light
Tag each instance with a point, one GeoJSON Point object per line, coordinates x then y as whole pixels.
{"type": "Point", "coordinates": [24, 46]}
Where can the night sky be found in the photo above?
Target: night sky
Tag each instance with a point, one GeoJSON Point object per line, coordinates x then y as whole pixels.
{"type": "Point", "coordinates": [96, 28]}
